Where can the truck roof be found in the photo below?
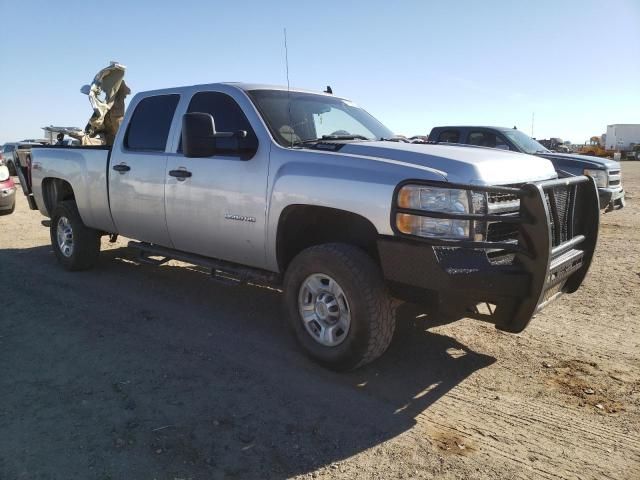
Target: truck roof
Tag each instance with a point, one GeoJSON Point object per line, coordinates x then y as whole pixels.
{"type": "Point", "coordinates": [475, 126]}
{"type": "Point", "coordinates": [240, 86]}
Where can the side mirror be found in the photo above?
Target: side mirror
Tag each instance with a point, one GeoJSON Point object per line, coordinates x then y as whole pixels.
{"type": "Point", "coordinates": [200, 139]}
{"type": "Point", "coordinates": [198, 135]}
{"type": "Point", "coordinates": [85, 89]}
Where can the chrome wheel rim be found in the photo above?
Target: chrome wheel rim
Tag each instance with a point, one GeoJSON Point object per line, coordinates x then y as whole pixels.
{"type": "Point", "coordinates": [64, 233]}
{"type": "Point", "coordinates": [324, 309]}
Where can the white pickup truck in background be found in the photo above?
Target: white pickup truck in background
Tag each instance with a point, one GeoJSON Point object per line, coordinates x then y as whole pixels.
{"type": "Point", "coordinates": [309, 192]}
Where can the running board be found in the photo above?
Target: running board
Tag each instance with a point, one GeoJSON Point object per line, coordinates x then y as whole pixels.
{"type": "Point", "coordinates": [227, 273]}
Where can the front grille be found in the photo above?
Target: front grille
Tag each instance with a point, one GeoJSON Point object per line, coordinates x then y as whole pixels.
{"type": "Point", "coordinates": [501, 232]}
{"type": "Point", "coordinates": [507, 204]}
{"type": "Point", "coordinates": [560, 201]}
{"type": "Point", "coordinates": [503, 202]}
{"type": "Point", "coordinates": [614, 178]}
{"type": "Point", "coordinates": [499, 197]}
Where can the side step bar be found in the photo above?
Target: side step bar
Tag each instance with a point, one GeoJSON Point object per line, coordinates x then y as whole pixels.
{"type": "Point", "coordinates": [228, 273]}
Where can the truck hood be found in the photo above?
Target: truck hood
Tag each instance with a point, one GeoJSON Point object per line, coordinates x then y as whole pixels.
{"type": "Point", "coordinates": [460, 164]}
{"type": "Point", "coordinates": [586, 161]}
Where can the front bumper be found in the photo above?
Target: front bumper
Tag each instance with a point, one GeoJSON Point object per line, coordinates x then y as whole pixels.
{"type": "Point", "coordinates": [504, 283]}
{"type": "Point", "coordinates": [611, 198]}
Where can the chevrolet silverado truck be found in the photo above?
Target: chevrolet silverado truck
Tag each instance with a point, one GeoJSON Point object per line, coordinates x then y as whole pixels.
{"type": "Point", "coordinates": [305, 191]}
{"type": "Point", "coordinates": [606, 172]}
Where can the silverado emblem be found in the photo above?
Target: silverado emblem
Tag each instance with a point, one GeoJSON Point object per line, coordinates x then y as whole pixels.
{"type": "Point", "coordinates": [241, 218]}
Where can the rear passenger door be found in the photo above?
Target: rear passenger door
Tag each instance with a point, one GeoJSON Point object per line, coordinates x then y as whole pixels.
{"type": "Point", "coordinates": [137, 171]}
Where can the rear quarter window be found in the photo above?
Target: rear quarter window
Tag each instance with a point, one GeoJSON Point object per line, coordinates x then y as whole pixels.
{"type": "Point", "coordinates": [150, 123]}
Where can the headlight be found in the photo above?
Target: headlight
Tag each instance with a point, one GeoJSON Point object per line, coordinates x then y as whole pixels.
{"type": "Point", "coordinates": [440, 201]}
{"type": "Point", "coordinates": [600, 176]}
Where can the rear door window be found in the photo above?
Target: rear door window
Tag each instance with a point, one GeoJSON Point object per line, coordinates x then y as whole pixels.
{"type": "Point", "coordinates": [150, 123]}
{"type": "Point", "coordinates": [449, 136]}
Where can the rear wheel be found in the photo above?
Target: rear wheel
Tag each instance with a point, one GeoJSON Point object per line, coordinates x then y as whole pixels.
{"type": "Point", "coordinates": [338, 306]}
{"type": "Point", "coordinates": [75, 245]}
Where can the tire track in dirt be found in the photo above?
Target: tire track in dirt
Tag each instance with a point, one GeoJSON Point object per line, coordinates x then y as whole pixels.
{"type": "Point", "coordinates": [539, 431]}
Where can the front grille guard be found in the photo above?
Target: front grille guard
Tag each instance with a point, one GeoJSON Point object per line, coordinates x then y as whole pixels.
{"type": "Point", "coordinates": [555, 241]}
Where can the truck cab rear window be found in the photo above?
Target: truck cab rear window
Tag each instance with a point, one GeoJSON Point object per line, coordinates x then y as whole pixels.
{"type": "Point", "coordinates": [449, 136]}
{"type": "Point", "coordinates": [487, 139]}
{"type": "Point", "coordinates": [149, 126]}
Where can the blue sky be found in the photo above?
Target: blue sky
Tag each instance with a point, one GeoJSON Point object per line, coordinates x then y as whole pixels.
{"type": "Point", "coordinates": [412, 64]}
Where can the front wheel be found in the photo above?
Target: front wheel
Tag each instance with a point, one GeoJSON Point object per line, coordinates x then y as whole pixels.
{"type": "Point", "coordinates": [338, 306]}
{"type": "Point", "coordinates": [75, 245]}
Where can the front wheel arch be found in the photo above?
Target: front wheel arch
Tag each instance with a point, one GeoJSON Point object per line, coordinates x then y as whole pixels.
{"type": "Point", "coordinates": [302, 226]}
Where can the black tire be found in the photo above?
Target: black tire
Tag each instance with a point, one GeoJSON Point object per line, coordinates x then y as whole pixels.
{"type": "Point", "coordinates": [86, 241]}
{"type": "Point", "coordinates": [12, 168]}
{"type": "Point", "coordinates": [10, 211]}
{"type": "Point", "coordinates": [372, 319]}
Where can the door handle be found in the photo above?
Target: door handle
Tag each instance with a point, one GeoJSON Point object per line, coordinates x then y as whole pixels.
{"type": "Point", "coordinates": [122, 167]}
{"type": "Point", "coordinates": [180, 174]}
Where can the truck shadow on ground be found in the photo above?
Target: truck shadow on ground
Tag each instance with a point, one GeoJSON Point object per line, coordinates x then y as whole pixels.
{"type": "Point", "coordinates": [135, 371]}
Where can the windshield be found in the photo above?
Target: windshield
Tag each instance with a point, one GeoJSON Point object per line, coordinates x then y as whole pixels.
{"type": "Point", "coordinates": [524, 142]}
{"type": "Point", "coordinates": [295, 118]}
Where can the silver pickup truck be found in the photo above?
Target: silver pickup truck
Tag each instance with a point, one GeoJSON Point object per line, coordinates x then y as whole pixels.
{"type": "Point", "coordinates": [309, 192]}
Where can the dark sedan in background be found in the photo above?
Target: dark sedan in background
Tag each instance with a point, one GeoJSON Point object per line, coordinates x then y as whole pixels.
{"type": "Point", "coordinates": [606, 172]}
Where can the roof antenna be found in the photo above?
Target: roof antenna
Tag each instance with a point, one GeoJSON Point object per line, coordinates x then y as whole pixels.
{"type": "Point", "coordinates": [286, 62]}
{"type": "Point", "coordinates": [329, 90]}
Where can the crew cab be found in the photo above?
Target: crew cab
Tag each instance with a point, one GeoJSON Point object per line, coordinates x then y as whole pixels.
{"type": "Point", "coordinates": [305, 191]}
{"type": "Point", "coordinates": [606, 172]}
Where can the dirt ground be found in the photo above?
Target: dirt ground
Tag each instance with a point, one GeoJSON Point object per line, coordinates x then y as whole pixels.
{"type": "Point", "coordinates": [131, 371]}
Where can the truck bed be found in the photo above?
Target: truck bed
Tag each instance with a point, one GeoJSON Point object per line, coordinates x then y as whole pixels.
{"type": "Point", "coordinates": [85, 167]}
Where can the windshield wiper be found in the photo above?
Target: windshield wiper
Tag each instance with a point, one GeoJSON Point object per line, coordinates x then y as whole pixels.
{"type": "Point", "coordinates": [330, 137]}
{"type": "Point", "coordinates": [344, 137]}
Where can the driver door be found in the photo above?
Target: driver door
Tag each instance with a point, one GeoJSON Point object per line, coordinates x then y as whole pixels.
{"type": "Point", "coordinates": [219, 208]}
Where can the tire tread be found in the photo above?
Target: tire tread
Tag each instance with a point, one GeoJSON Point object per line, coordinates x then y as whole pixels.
{"type": "Point", "coordinates": [369, 277]}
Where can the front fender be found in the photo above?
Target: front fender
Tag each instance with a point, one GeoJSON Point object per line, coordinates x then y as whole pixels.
{"type": "Point", "coordinates": [357, 185]}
